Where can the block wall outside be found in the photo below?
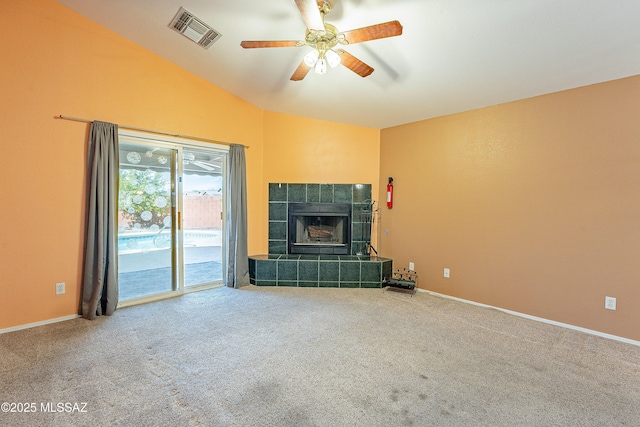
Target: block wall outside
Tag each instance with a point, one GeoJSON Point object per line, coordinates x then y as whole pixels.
{"type": "Point", "coordinates": [202, 211]}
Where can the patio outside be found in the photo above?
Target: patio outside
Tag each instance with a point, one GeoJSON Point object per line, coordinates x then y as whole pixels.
{"type": "Point", "coordinates": [147, 271]}
{"type": "Point", "coordinates": [145, 233]}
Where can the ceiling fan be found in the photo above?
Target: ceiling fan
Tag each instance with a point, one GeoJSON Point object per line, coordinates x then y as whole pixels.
{"type": "Point", "coordinates": [324, 38]}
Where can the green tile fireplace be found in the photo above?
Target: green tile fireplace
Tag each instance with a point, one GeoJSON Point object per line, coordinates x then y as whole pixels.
{"type": "Point", "coordinates": [284, 265]}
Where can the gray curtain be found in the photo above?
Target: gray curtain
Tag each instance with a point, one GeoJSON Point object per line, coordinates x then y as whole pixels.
{"type": "Point", "coordinates": [238, 257]}
{"type": "Point", "coordinates": [100, 279]}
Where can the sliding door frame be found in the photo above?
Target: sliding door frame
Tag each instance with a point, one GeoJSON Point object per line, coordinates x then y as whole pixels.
{"type": "Point", "coordinates": [178, 144]}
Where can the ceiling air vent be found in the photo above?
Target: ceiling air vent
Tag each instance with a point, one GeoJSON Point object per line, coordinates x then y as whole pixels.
{"type": "Point", "coordinates": [194, 29]}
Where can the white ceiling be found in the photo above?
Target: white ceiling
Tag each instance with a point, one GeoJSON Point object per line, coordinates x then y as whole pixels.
{"type": "Point", "coordinates": [454, 55]}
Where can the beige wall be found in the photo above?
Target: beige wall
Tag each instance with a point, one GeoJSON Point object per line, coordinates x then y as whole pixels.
{"type": "Point", "coordinates": [75, 67]}
{"type": "Point", "coordinates": [533, 205]}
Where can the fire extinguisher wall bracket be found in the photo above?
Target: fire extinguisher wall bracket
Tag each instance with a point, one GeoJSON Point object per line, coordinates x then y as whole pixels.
{"type": "Point", "coordinates": [390, 193]}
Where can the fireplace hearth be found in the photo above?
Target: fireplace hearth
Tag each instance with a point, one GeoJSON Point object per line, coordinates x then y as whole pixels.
{"type": "Point", "coordinates": [337, 230]}
{"type": "Point", "coordinates": [319, 228]}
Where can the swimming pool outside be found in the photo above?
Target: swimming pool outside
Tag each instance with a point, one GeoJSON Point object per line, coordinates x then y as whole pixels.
{"type": "Point", "coordinates": [145, 260]}
{"type": "Point", "coordinates": [145, 240]}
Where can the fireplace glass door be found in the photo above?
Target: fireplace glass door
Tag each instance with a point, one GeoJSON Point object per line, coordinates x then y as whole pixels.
{"type": "Point", "coordinates": [319, 228]}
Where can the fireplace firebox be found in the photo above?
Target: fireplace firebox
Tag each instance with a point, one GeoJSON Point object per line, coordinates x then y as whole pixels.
{"type": "Point", "coordinates": [319, 228]}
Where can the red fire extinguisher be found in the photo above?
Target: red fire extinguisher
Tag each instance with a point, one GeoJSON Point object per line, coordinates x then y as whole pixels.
{"type": "Point", "coordinates": [390, 193]}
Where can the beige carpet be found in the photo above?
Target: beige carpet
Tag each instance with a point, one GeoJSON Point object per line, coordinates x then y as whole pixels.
{"type": "Point", "coordinates": [323, 357]}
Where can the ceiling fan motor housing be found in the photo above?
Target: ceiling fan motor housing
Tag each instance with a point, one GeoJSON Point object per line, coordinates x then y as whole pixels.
{"type": "Point", "coordinates": [324, 41]}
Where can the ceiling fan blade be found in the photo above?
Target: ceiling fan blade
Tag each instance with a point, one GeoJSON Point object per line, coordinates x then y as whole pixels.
{"type": "Point", "coordinates": [301, 72]}
{"type": "Point", "coordinates": [354, 64]}
{"type": "Point", "coordinates": [259, 44]}
{"type": "Point", "coordinates": [378, 31]}
{"type": "Point", "coordinates": [311, 14]}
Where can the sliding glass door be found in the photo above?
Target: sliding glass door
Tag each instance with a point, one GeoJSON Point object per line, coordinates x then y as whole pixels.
{"type": "Point", "coordinates": [202, 197]}
{"type": "Point", "coordinates": [170, 228]}
{"type": "Point", "coordinates": [147, 221]}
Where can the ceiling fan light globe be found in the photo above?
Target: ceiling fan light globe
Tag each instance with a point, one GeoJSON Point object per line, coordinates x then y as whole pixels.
{"type": "Point", "coordinates": [333, 58]}
{"type": "Point", "coordinates": [311, 58]}
{"type": "Point", "coordinates": [321, 66]}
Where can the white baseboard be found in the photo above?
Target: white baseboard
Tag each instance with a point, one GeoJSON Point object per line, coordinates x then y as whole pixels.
{"type": "Point", "coordinates": [42, 323]}
{"type": "Point", "coordinates": [538, 319]}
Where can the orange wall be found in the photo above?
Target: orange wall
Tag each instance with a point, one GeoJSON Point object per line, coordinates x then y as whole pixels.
{"type": "Point", "coordinates": [75, 67]}
{"type": "Point", "coordinates": [533, 205]}
{"type": "Point", "coordinates": [301, 150]}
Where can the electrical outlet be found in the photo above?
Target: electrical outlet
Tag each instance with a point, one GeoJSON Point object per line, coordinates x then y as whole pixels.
{"type": "Point", "coordinates": [412, 266]}
{"type": "Point", "coordinates": [447, 273]}
{"type": "Point", "coordinates": [610, 303]}
{"type": "Point", "coordinates": [60, 288]}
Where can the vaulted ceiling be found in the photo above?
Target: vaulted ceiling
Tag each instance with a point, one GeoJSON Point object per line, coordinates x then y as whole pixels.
{"type": "Point", "coordinates": [453, 55]}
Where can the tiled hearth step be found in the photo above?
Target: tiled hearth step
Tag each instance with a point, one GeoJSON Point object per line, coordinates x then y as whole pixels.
{"type": "Point", "coordinates": [330, 271]}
